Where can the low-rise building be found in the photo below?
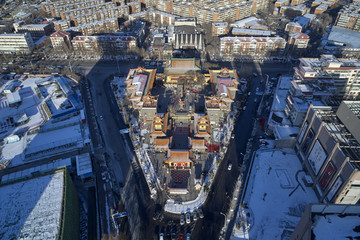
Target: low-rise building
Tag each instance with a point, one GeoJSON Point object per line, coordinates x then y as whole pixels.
{"type": "Point", "coordinates": [318, 219]}
{"type": "Point", "coordinates": [109, 25]}
{"type": "Point", "coordinates": [60, 40]}
{"type": "Point", "coordinates": [321, 9]}
{"type": "Point", "coordinates": [293, 27]}
{"type": "Point", "coordinates": [219, 28]}
{"type": "Point", "coordinates": [328, 147]}
{"type": "Point", "coordinates": [298, 43]}
{"type": "Point", "coordinates": [250, 32]}
{"type": "Point", "coordinates": [294, 11]}
{"type": "Point", "coordinates": [187, 34]}
{"type": "Point", "coordinates": [16, 43]}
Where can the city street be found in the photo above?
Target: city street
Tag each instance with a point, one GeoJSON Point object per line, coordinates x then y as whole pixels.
{"type": "Point", "coordinates": [221, 192]}
{"type": "Point", "coordinates": [113, 151]}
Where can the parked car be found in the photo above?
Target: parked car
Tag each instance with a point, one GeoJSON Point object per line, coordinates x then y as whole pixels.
{"type": "Point", "coordinates": [188, 218]}
{"type": "Point", "coordinates": [182, 219]}
{"type": "Point", "coordinates": [195, 216]}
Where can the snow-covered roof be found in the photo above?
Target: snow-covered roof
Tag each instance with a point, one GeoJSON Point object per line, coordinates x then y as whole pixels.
{"type": "Point", "coordinates": [13, 97]}
{"type": "Point", "coordinates": [271, 195]}
{"type": "Point", "coordinates": [282, 132]}
{"type": "Point", "coordinates": [344, 35]}
{"type": "Point", "coordinates": [32, 209]}
{"type": "Point", "coordinates": [340, 226]}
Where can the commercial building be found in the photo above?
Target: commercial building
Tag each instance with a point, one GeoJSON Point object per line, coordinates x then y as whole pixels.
{"type": "Point", "coordinates": [349, 17]}
{"type": "Point", "coordinates": [343, 42]}
{"type": "Point", "coordinates": [319, 219]}
{"type": "Point", "coordinates": [328, 146]}
{"type": "Point", "coordinates": [252, 46]}
{"type": "Point", "coordinates": [36, 30]}
{"type": "Point", "coordinates": [16, 43]}
{"type": "Point", "coordinates": [43, 205]}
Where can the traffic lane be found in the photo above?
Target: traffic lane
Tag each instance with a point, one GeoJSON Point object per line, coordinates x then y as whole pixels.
{"type": "Point", "coordinates": [115, 110]}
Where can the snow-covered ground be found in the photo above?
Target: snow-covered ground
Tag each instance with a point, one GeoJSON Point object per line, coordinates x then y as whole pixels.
{"type": "Point", "coordinates": [31, 209]}
{"type": "Point", "coordinates": [274, 203]}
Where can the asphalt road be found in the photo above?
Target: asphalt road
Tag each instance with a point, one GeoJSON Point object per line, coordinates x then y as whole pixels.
{"type": "Point", "coordinates": [118, 152]}
{"type": "Point", "coordinates": [222, 189]}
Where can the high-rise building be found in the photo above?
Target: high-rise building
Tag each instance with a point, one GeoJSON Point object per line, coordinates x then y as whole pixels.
{"type": "Point", "coordinates": [328, 146]}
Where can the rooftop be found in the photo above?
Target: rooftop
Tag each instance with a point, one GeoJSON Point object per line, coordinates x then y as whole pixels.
{"type": "Point", "coordinates": [32, 209]}
{"type": "Point", "coordinates": [272, 196]}
{"type": "Point", "coordinates": [348, 144]}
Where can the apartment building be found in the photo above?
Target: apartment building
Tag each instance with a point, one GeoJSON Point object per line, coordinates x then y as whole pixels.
{"type": "Point", "coordinates": [219, 28]}
{"type": "Point", "coordinates": [155, 16]}
{"type": "Point", "coordinates": [109, 25]}
{"type": "Point", "coordinates": [340, 76]}
{"type": "Point", "coordinates": [214, 11]}
{"type": "Point", "coordinates": [328, 147]}
{"type": "Point", "coordinates": [60, 40]}
{"type": "Point", "coordinates": [298, 43]}
{"type": "Point", "coordinates": [293, 27]}
{"type": "Point", "coordinates": [16, 43]}
{"type": "Point", "coordinates": [294, 11]}
{"type": "Point", "coordinates": [58, 10]}
{"type": "Point", "coordinates": [86, 10]}
{"type": "Point", "coordinates": [103, 44]}
{"type": "Point", "coordinates": [252, 46]}
{"type": "Point", "coordinates": [116, 12]}
{"type": "Point", "coordinates": [349, 17]}
{"type": "Point", "coordinates": [47, 6]}
{"type": "Point", "coordinates": [134, 7]}
{"type": "Point", "coordinates": [61, 25]}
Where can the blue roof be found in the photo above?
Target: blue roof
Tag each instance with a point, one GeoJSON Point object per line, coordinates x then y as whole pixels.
{"type": "Point", "coordinates": [64, 85]}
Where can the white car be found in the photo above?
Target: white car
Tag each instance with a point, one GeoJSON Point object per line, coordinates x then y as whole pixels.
{"type": "Point", "coordinates": [182, 219]}
{"type": "Point", "coordinates": [229, 166]}
{"type": "Point", "coordinates": [195, 216]}
{"type": "Point", "coordinates": [187, 217]}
